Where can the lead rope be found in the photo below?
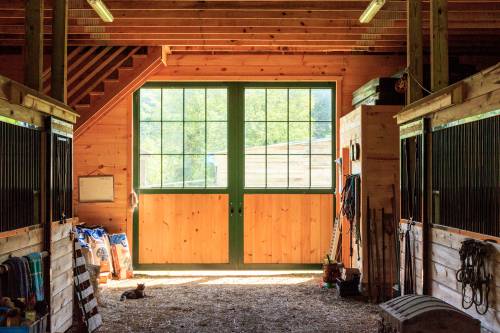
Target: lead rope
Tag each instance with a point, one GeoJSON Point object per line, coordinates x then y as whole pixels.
{"type": "Point", "coordinates": [409, 281]}
{"type": "Point", "coordinates": [474, 275]}
{"type": "Point", "coordinates": [409, 275]}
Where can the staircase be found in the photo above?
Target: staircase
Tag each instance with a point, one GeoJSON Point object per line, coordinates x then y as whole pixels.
{"type": "Point", "coordinates": [99, 77]}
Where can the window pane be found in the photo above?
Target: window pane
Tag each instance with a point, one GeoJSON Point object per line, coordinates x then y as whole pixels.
{"type": "Point", "coordinates": [194, 171]}
{"type": "Point", "coordinates": [194, 104]}
{"type": "Point", "coordinates": [277, 106]}
{"type": "Point", "coordinates": [255, 104]}
{"type": "Point", "coordinates": [150, 138]}
{"type": "Point", "coordinates": [216, 170]}
{"type": "Point", "coordinates": [172, 138]}
{"type": "Point", "coordinates": [172, 104]}
{"type": "Point", "coordinates": [255, 171]}
{"type": "Point", "coordinates": [277, 171]}
{"type": "Point", "coordinates": [172, 171]}
{"type": "Point", "coordinates": [299, 138]}
{"type": "Point", "coordinates": [277, 138]}
{"type": "Point", "coordinates": [321, 141]}
{"type": "Point", "coordinates": [321, 100]}
{"type": "Point", "coordinates": [150, 104]}
{"type": "Point", "coordinates": [216, 104]}
{"type": "Point", "coordinates": [217, 138]}
{"type": "Point", "coordinates": [299, 104]}
{"type": "Point", "coordinates": [194, 138]}
{"type": "Point", "coordinates": [150, 166]}
{"type": "Point", "coordinates": [299, 171]}
{"type": "Point", "coordinates": [255, 137]}
{"type": "Point", "coordinates": [321, 171]}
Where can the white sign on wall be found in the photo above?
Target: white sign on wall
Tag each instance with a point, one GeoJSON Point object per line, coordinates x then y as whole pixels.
{"type": "Point", "coordinates": [96, 188]}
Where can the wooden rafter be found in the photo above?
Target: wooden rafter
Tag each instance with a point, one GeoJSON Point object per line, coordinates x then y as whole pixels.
{"type": "Point", "coordinates": [259, 24]}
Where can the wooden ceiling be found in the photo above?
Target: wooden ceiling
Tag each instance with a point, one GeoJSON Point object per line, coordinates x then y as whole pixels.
{"type": "Point", "coordinates": [299, 26]}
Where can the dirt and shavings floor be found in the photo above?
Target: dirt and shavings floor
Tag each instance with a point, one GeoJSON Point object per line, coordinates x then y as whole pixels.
{"type": "Point", "coordinates": [281, 303]}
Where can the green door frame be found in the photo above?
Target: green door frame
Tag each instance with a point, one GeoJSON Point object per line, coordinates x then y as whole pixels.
{"type": "Point", "coordinates": [236, 173]}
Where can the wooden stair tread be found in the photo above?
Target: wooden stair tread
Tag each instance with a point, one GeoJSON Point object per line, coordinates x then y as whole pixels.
{"type": "Point", "coordinates": [97, 93]}
{"type": "Point", "coordinates": [119, 78]}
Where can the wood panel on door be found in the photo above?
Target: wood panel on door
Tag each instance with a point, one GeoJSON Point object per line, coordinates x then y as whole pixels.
{"type": "Point", "coordinates": [183, 229]}
{"type": "Point", "coordinates": [287, 228]}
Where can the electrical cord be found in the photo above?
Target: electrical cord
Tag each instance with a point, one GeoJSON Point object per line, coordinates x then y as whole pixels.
{"type": "Point", "coordinates": [410, 75]}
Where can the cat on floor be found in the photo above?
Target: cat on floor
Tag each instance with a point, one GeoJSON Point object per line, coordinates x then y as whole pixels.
{"type": "Point", "coordinates": [134, 294]}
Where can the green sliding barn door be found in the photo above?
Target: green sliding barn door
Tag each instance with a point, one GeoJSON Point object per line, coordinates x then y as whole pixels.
{"type": "Point", "coordinates": [233, 175]}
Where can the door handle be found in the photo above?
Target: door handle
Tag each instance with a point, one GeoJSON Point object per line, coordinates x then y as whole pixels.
{"type": "Point", "coordinates": [240, 208]}
{"type": "Point", "coordinates": [231, 208]}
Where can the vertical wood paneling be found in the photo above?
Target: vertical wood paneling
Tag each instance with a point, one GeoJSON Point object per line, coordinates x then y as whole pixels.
{"type": "Point", "coordinates": [287, 228]}
{"type": "Point", "coordinates": [183, 229]}
{"type": "Point", "coordinates": [106, 149]}
{"type": "Point", "coordinates": [376, 131]}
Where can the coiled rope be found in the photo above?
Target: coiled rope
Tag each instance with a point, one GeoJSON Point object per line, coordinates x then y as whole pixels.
{"type": "Point", "coordinates": [474, 275]}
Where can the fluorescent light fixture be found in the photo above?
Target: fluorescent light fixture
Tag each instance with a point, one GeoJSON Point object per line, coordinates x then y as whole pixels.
{"type": "Point", "coordinates": [101, 10]}
{"type": "Point", "coordinates": [371, 11]}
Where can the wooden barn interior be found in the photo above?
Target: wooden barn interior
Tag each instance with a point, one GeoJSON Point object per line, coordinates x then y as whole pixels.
{"type": "Point", "coordinates": [250, 166]}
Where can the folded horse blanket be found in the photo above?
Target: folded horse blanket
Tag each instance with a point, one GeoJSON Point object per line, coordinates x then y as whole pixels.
{"type": "Point", "coordinates": [35, 264]}
{"type": "Point", "coordinates": [18, 278]}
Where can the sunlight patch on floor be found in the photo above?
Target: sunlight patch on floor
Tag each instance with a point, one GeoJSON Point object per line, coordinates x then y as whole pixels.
{"type": "Point", "coordinates": [223, 273]}
{"type": "Point", "coordinates": [258, 280]}
{"type": "Point", "coordinates": [132, 283]}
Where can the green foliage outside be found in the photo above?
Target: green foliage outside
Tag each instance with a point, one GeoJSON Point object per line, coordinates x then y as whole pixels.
{"type": "Point", "coordinates": [193, 122]}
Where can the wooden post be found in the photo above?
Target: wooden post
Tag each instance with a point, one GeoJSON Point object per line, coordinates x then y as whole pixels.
{"type": "Point", "coordinates": [414, 51]}
{"type": "Point", "coordinates": [58, 85]}
{"type": "Point", "coordinates": [426, 186]}
{"type": "Point", "coordinates": [33, 54]}
{"type": "Point", "coordinates": [439, 44]}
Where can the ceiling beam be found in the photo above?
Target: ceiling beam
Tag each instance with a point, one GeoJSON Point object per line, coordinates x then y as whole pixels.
{"type": "Point", "coordinates": [453, 30]}
{"type": "Point", "coordinates": [141, 14]}
{"type": "Point", "coordinates": [398, 5]}
{"type": "Point", "coordinates": [94, 23]}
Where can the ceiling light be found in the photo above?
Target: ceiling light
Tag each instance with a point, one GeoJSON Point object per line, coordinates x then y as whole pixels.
{"type": "Point", "coordinates": [371, 11]}
{"type": "Point", "coordinates": [101, 10]}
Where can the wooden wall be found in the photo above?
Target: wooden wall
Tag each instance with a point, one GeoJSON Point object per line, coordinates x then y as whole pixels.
{"type": "Point", "coordinates": [106, 149]}
{"type": "Point", "coordinates": [445, 261]}
{"type": "Point", "coordinates": [287, 228]}
{"type": "Point", "coordinates": [376, 131]}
